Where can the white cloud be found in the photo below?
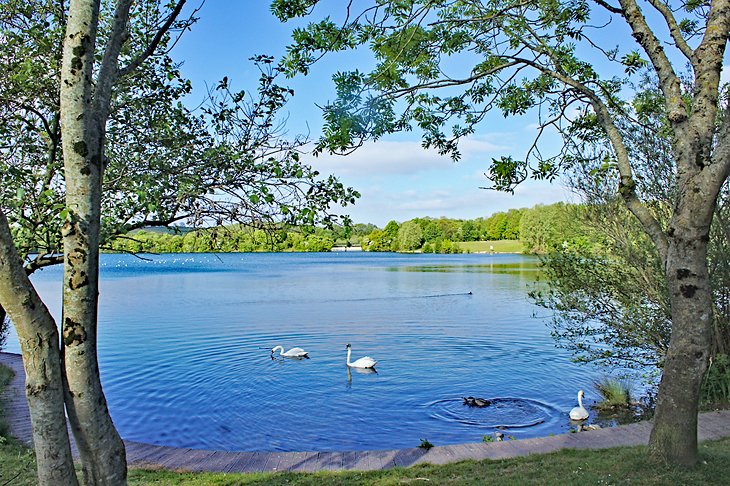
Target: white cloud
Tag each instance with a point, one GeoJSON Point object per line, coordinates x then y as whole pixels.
{"type": "Point", "coordinates": [725, 75]}
{"type": "Point", "coordinates": [378, 206]}
{"type": "Point", "coordinates": [398, 157]}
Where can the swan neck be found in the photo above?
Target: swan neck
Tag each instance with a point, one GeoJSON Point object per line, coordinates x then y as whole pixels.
{"type": "Point", "coordinates": [349, 352]}
{"type": "Point", "coordinates": [580, 400]}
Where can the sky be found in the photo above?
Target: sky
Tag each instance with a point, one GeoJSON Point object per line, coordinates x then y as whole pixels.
{"type": "Point", "coordinates": [396, 177]}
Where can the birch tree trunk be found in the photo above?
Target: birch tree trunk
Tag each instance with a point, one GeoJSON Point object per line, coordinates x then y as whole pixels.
{"type": "Point", "coordinates": [83, 117]}
{"type": "Point", "coordinates": [38, 336]}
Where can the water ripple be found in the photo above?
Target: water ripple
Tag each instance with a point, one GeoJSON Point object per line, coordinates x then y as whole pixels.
{"type": "Point", "coordinates": [185, 340]}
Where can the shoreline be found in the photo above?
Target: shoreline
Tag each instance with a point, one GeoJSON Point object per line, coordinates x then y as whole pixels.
{"type": "Point", "coordinates": [712, 425]}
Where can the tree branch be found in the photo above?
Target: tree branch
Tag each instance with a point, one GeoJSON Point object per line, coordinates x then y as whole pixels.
{"type": "Point", "coordinates": [709, 55]}
{"type": "Point", "coordinates": [42, 261]}
{"type": "Point", "coordinates": [627, 187]}
{"type": "Point", "coordinates": [136, 62]}
{"type": "Point", "coordinates": [715, 39]}
{"type": "Point", "coordinates": [108, 72]}
{"type": "Point", "coordinates": [609, 7]}
{"type": "Point", "coordinates": [668, 80]}
{"type": "Point", "coordinates": [674, 30]}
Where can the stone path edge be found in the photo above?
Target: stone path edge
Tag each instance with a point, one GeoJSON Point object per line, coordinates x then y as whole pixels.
{"type": "Point", "coordinates": [712, 425]}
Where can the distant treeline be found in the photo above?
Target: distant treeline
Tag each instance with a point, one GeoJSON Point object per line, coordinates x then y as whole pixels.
{"type": "Point", "coordinates": [239, 238]}
{"type": "Point", "coordinates": [539, 229]}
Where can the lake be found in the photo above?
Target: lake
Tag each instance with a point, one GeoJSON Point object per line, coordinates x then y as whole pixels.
{"type": "Point", "coordinates": [181, 338]}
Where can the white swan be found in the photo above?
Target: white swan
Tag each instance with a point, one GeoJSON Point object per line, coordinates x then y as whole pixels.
{"type": "Point", "coordinates": [579, 413]}
{"type": "Point", "coordinates": [292, 353]}
{"type": "Point", "coordinates": [364, 362]}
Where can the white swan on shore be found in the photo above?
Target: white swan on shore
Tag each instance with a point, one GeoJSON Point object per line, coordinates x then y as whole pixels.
{"type": "Point", "coordinates": [364, 362]}
{"type": "Point", "coordinates": [292, 353]}
{"type": "Point", "coordinates": [579, 412]}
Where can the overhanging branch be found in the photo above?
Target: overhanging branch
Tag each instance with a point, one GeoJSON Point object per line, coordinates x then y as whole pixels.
{"type": "Point", "coordinates": [142, 57]}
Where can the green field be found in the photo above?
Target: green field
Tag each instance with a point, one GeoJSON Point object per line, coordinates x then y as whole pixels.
{"type": "Point", "coordinates": [497, 246]}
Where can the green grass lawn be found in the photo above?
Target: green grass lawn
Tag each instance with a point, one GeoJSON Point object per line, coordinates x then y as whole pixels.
{"type": "Point", "coordinates": [500, 246]}
{"type": "Point", "coordinates": [625, 465]}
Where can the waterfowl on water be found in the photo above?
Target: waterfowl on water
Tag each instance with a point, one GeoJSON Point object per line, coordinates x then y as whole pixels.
{"type": "Point", "coordinates": [476, 402]}
{"type": "Point", "coordinates": [579, 412]}
{"type": "Point", "coordinates": [292, 353]}
{"type": "Point", "coordinates": [364, 362]}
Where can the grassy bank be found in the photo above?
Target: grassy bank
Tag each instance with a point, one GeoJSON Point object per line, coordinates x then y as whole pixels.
{"type": "Point", "coordinates": [570, 467]}
{"type": "Point", "coordinates": [497, 246]}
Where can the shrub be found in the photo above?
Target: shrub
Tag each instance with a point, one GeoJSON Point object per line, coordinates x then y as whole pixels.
{"type": "Point", "coordinates": [716, 385]}
{"type": "Point", "coordinates": [615, 393]}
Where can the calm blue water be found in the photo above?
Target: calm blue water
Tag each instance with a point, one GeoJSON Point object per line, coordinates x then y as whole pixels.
{"type": "Point", "coordinates": [181, 363]}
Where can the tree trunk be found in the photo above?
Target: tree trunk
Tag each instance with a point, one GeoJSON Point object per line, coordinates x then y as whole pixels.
{"type": "Point", "coordinates": [38, 336]}
{"type": "Point", "coordinates": [100, 446]}
{"type": "Point", "coordinates": [674, 435]}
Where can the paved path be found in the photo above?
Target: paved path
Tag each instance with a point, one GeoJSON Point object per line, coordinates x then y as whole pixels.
{"type": "Point", "coordinates": [712, 425]}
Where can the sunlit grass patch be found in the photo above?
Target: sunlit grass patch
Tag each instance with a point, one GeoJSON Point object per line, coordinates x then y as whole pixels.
{"type": "Point", "coordinates": [496, 246]}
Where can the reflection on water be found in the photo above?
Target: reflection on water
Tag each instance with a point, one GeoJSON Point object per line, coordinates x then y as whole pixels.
{"type": "Point", "coordinates": [359, 371]}
{"type": "Point", "coordinates": [527, 269]}
{"type": "Point", "coordinates": [180, 343]}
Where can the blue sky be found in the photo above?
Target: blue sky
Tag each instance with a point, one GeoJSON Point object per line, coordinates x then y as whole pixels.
{"type": "Point", "coordinates": [396, 177]}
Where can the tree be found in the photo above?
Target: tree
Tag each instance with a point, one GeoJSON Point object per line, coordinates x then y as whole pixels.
{"type": "Point", "coordinates": [608, 290]}
{"type": "Point", "coordinates": [432, 231]}
{"type": "Point", "coordinates": [495, 226]}
{"type": "Point", "coordinates": [545, 228]}
{"type": "Point", "coordinates": [377, 240]}
{"type": "Point", "coordinates": [410, 236]}
{"type": "Point", "coordinates": [512, 226]}
{"type": "Point", "coordinates": [95, 143]}
{"type": "Point", "coordinates": [544, 57]}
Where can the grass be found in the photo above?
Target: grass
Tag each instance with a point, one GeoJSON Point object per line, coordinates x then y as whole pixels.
{"type": "Point", "coordinates": [499, 246]}
{"type": "Point", "coordinates": [568, 467]}
{"type": "Point", "coordinates": [615, 392]}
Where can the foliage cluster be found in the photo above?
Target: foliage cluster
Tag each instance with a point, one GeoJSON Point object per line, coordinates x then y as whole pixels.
{"type": "Point", "coordinates": [610, 298]}
{"type": "Point", "coordinates": [229, 160]}
{"type": "Point", "coordinates": [716, 386]}
{"type": "Point", "coordinates": [236, 238]}
{"type": "Point", "coordinates": [540, 229]}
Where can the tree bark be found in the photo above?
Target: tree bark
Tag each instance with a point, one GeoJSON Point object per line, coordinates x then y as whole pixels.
{"type": "Point", "coordinates": [674, 435]}
{"type": "Point", "coordinates": [100, 446]}
{"type": "Point", "coordinates": [38, 337]}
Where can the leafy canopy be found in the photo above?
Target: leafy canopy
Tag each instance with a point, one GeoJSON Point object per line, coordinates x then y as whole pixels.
{"type": "Point", "coordinates": [442, 65]}
{"type": "Point", "coordinates": [229, 160]}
